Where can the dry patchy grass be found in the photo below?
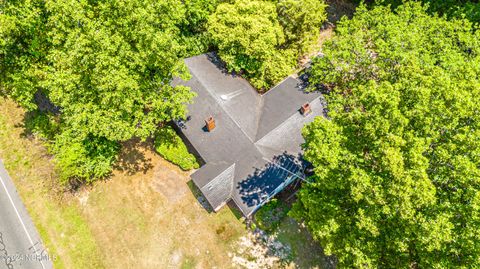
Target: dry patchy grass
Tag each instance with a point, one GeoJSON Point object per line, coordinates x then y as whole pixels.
{"type": "Point", "coordinates": [147, 215]}
{"type": "Point", "coordinates": [56, 215]}
{"type": "Point", "coordinates": [144, 216]}
{"type": "Point", "coordinates": [151, 217]}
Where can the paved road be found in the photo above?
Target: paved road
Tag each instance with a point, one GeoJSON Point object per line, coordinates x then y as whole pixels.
{"type": "Point", "coordinates": [20, 244]}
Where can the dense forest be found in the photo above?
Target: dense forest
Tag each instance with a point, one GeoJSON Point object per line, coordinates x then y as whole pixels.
{"type": "Point", "coordinates": [397, 163]}
{"type": "Point", "coordinates": [469, 9]}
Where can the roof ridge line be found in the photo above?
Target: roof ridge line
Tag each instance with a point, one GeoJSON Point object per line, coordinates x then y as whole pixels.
{"type": "Point", "coordinates": [222, 108]}
{"type": "Point", "coordinates": [293, 113]}
{"type": "Point", "coordinates": [280, 125]}
{"type": "Point", "coordinates": [265, 147]}
{"type": "Point", "coordinates": [259, 112]}
{"type": "Point", "coordinates": [276, 85]}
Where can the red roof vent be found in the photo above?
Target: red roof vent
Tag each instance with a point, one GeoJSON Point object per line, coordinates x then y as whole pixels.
{"type": "Point", "coordinates": [210, 123]}
{"type": "Point", "coordinates": [305, 109]}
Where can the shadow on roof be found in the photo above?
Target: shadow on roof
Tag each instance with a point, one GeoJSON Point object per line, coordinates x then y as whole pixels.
{"type": "Point", "coordinates": [265, 181]}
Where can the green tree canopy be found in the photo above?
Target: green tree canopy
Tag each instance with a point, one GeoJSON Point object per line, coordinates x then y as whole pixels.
{"type": "Point", "coordinates": [263, 38]}
{"type": "Point", "coordinates": [107, 66]}
{"type": "Point", "coordinates": [469, 9]}
{"type": "Point", "coordinates": [301, 21]}
{"type": "Point", "coordinates": [247, 34]}
{"type": "Point", "coordinates": [111, 65]}
{"type": "Point", "coordinates": [397, 164]}
{"type": "Point", "coordinates": [23, 48]}
{"type": "Point", "coordinates": [194, 27]}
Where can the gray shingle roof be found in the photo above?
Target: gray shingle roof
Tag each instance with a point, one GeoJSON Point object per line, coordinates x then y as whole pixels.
{"type": "Point", "coordinates": [280, 102]}
{"type": "Point", "coordinates": [259, 134]}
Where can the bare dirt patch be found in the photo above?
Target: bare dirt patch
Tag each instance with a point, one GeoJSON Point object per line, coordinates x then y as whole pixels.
{"type": "Point", "coordinates": [325, 34]}
{"type": "Point", "coordinates": [170, 183]}
{"type": "Point", "coordinates": [336, 10]}
{"type": "Point", "coordinates": [259, 250]}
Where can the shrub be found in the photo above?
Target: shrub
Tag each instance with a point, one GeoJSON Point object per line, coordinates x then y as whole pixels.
{"type": "Point", "coordinates": [171, 147]}
{"type": "Point", "coordinates": [83, 160]}
{"type": "Point", "coordinates": [269, 216]}
{"type": "Point", "coordinates": [43, 125]}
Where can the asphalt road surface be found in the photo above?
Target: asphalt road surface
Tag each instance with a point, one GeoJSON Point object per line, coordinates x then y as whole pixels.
{"type": "Point", "coordinates": [20, 244]}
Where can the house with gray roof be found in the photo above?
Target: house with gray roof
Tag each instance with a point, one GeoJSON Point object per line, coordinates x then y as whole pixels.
{"type": "Point", "coordinates": [250, 143]}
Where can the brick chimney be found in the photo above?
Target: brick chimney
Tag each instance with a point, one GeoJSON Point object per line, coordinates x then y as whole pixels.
{"type": "Point", "coordinates": [210, 123]}
{"type": "Point", "coordinates": [305, 109]}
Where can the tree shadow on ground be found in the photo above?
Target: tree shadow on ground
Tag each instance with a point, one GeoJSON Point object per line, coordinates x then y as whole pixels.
{"type": "Point", "coordinates": [305, 251]}
{"type": "Point", "coordinates": [286, 238]}
{"type": "Point", "coordinates": [132, 159]}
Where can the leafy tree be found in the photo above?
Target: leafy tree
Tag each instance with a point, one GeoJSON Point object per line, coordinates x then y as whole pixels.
{"type": "Point", "coordinates": [193, 28]}
{"type": "Point", "coordinates": [23, 47]}
{"type": "Point", "coordinates": [301, 21]}
{"type": "Point", "coordinates": [263, 39]}
{"type": "Point", "coordinates": [469, 9]}
{"type": "Point", "coordinates": [107, 65]}
{"type": "Point", "coordinates": [248, 34]}
{"type": "Point", "coordinates": [397, 164]}
{"type": "Point", "coordinates": [197, 13]}
{"type": "Point", "coordinates": [111, 65]}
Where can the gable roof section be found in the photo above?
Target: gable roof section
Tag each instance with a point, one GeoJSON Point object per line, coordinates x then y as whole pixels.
{"type": "Point", "coordinates": [227, 139]}
{"type": "Point", "coordinates": [281, 102]}
{"type": "Point", "coordinates": [209, 171]}
{"type": "Point", "coordinates": [287, 136]}
{"type": "Point", "coordinates": [260, 178]}
{"type": "Point", "coordinates": [218, 188]}
{"type": "Point", "coordinates": [239, 100]}
{"type": "Point", "coordinates": [256, 144]}
{"type": "Point", "coordinates": [256, 115]}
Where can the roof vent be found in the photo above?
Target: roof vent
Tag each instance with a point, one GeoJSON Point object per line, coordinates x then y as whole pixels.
{"type": "Point", "coordinates": [305, 109]}
{"type": "Point", "coordinates": [210, 123]}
